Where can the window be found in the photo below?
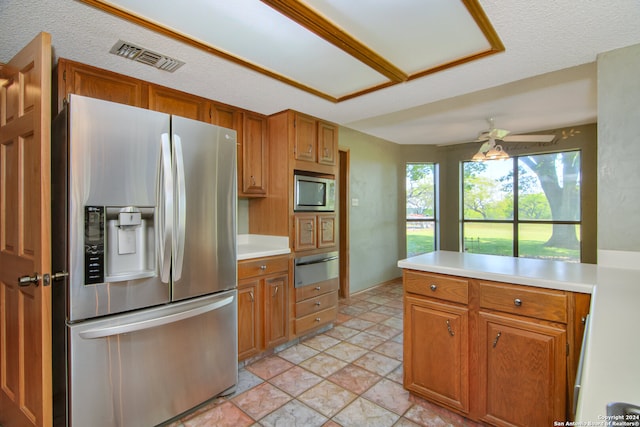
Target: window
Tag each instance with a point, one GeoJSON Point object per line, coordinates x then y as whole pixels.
{"type": "Point", "coordinates": [527, 206]}
{"type": "Point", "coordinates": [421, 208]}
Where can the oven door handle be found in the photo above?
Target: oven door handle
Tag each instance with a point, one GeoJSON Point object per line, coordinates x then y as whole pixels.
{"type": "Point", "coordinates": [319, 261]}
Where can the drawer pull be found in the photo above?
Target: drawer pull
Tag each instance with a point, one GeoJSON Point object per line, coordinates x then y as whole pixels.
{"type": "Point", "coordinates": [317, 288]}
{"type": "Point", "coordinates": [449, 328]}
{"type": "Point", "coordinates": [517, 302]}
{"type": "Point", "coordinates": [263, 267]}
{"type": "Point", "coordinates": [318, 303]}
{"type": "Point", "coordinates": [317, 319]}
{"type": "Point", "coordinates": [495, 342]}
{"type": "Point", "coordinates": [433, 288]}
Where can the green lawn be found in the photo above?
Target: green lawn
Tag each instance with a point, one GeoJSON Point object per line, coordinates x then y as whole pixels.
{"type": "Point", "coordinates": [496, 239]}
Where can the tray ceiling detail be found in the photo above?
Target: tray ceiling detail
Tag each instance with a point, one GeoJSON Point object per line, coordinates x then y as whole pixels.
{"type": "Point", "coordinates": [334, 49]}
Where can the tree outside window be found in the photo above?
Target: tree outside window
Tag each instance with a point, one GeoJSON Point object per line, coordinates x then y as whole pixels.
{"type": "Point", "coordinates": [420, 208]}
{"type": "Point", "coordinates": [527, 206]}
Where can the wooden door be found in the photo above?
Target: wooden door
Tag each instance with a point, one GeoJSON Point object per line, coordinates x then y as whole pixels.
{"type": "Point", "coordinates": [248, 319]}
{"type": "Point", "coordinates": [437, 351]}
{"type": "Point", "coordinates": [327, 143]}
{"type": "Point", "coordinates": [275, 314]}
{"type": "Point", "coordinates": [179, 103]}
{"type": "Point", "coordinates": [85, 80]}
{"type": "Point", "coordinates": [305, 138]}
{"type": "Point", "coordinates": [305, 229]}
{"type": "Point", "coordinates": [522, 371]}
{"type": "Point", "coordinates": [326, 230]}
{"type": "Point", "coordinates": [254, 155]}
{"type": "Point", "coordinates": [25, 237]}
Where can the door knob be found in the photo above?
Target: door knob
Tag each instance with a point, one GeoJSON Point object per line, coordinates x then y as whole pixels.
{"type": "Point", "coordinates": [28, 280]}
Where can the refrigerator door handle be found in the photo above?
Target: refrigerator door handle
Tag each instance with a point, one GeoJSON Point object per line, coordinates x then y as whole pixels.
{"type": "Point", "coordinates": [140, 325]}
{"type": "Point", "coordinates": [165, 207]}
{"type": "Point", "coordinates": [180, 208]}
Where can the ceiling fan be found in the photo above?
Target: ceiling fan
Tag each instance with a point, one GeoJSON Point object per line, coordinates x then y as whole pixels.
{"type": "Point", "coordinates": [506, 136]}
{"type": "Point", "coordinates": [492, 151]}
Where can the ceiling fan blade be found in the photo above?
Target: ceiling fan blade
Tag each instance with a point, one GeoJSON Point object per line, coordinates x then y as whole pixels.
{"type": "Point", "coordinates": [499, 133]}
{"type": "Point", "coordinates": [528, 138]}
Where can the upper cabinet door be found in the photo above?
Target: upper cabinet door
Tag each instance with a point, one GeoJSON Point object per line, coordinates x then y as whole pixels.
{"type": "Point", "coordinates": [254, 156]}
{"type": "Point", "coordinates": [93, 82]}
{"type": "Point", "coordinates": [178, 103]}
{"type": "Point", "coordinates": [327, 143]}
{"type": "Point", "coordinates": [305, 138]}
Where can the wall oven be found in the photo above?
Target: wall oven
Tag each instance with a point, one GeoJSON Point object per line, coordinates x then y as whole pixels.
{"type": "Point", "coordinates": [314, 193]}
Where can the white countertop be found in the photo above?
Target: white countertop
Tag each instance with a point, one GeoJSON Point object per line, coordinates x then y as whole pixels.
{"type": "Point", "coordinates": [611, 366]}
{"type": "Point", "coordinates": [260, 245]}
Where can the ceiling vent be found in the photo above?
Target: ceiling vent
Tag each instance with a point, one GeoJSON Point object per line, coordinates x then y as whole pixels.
{"type": "Point", "coordinates": [140, 54]}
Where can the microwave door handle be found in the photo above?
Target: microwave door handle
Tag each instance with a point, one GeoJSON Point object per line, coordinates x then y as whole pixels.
{"type": "Point", "coordinates": [319, 261]}
{"type": "Point", "coordinates": [165, 207]}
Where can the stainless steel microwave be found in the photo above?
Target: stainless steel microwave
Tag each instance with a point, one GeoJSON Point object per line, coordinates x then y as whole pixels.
{"type": "Point", "coordinates": [312, 193]}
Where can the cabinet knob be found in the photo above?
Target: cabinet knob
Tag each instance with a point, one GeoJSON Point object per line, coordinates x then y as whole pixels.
{"type": "Point", "coordinates": [317, 288]}
{"type": "Point", "coordinates": [433, 287]}
{"type": "Point", "coordinates": [517, 302]}
{"type": "Point", "coordinates": [263, 267]}
{"type": "Point", "coordinates": [317, 319]}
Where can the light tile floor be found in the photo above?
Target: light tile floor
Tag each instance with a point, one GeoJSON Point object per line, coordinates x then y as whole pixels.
{"type": "Point", "coordinates": [350, 375]}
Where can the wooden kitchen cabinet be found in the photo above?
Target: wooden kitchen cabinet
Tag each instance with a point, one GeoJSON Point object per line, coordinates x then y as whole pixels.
{"type": "Point", "coordinates": [522, 371]}
{"type": "Point", "coordinates": [316, 305]}
{"type": "Point", "coordinates": [249, 336]}
{"type": "Point", "coordinates": [327, 143]}
{"type": "Point", "coordinates": [254, 159]}
{"type": "Point", "coordinates": [263, 315]}
{"type": "Point", "coordinates": [315, 141]}
{"type": "Point", "coordinates": [436, 338]}
{"type": "Point", "coordinates": [314, 231]}
{"type": "Point", "coordinates": [437, 355]}
{"type": "Point", "coordinates": [181, 104]}
{"type": "Point", "coordinates": [516, 363]}
{"type": "Point", "coordinates": [81, 79]}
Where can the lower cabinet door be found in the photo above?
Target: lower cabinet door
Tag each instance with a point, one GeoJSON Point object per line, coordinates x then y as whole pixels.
{"type": "Point", "coordinates": [436, 354]}
{"type": "Point", "coordinates": [275, 306]}
{"type": "Point", "coordinates": [248, 319]}
{"type": "Point", "coordinates": [522, 371]}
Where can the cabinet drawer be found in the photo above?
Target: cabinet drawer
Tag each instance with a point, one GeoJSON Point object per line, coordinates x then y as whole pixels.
{"type": "Point", "coordinates": [316, 289]}
{"type": "Point", "coordinates": [446, 288]}
{"type": "Point", "coordinates": [262, 266]}
{"type": "Point", "coordinates": [547, 304]}
{"type": "Point", "coordinates": [313, 305]}
{"type": "Point", "coordinates": [314, 320]}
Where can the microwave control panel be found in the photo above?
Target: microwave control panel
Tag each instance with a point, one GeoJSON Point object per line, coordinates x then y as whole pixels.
{"type": "Point", "coordinates": [93, 244]}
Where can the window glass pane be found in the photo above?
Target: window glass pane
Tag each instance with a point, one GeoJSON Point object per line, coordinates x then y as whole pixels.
{"type": "Point", "coordinates": [488, 238]}
{"type": "Point", "coordinates": [549, 241]}
{"type": "Point", "coordinates": [420, 237]}
{"type": "Point", "coordinates": [549, 187]}
{"type": "Point", "coordinates": [420, 191]}
{"type": "Point", "coordinates": [488, 190]}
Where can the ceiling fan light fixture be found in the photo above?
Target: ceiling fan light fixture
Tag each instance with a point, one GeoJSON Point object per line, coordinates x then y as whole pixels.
{"type": "Point", "coordinates": [490, 151]}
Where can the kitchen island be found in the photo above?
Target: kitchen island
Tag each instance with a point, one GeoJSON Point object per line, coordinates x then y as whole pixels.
{"type": "Point", "coordinates": [610, 371]}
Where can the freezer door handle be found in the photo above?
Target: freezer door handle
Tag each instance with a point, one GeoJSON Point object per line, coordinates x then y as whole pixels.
{"type": "Point", "coordinates": [165, 207]}
{"type": "Point", "coordinates": [140, 325]}
{"type": "Point", "coordinates": [180, 207]}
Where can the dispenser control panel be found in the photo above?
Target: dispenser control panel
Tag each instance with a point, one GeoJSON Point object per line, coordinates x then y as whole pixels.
{"type": "Point", "coordinates": [93, 244]}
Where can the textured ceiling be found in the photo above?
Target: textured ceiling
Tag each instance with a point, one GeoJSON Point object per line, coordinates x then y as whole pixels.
{"type": "Point", "coordinates": [545, 79]}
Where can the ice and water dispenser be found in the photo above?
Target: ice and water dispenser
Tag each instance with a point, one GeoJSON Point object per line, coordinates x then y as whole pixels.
{"type": "Point", "coordinates": [119, 243]}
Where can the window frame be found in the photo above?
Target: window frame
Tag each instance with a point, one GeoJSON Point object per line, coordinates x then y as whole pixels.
{"type": "Point", "coordinates": [434, 220]}
{"type": "Point", "coordinates": [516, 221]}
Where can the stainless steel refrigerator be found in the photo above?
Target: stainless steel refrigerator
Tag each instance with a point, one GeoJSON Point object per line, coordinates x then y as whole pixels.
{"type": "Point", "coordinates": [144, 222]}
